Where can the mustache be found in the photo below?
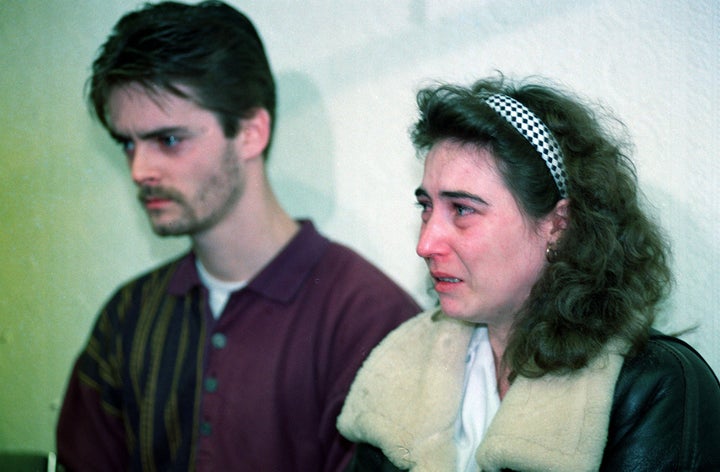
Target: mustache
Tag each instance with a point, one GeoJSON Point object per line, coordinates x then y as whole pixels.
{"type": "Point", "coordinates": [154, 192]}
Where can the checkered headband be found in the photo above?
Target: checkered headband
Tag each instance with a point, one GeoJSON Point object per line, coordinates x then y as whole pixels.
{"type": "Point", "coordinates": [535, 131]}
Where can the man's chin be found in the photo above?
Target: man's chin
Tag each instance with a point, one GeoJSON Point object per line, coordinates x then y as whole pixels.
{"type": "Point", "coordinates": [164, 233]}
{"type": "Point", "coordinates": [179, 227]}
{"type": "Point", "coordinates": [168, 229]}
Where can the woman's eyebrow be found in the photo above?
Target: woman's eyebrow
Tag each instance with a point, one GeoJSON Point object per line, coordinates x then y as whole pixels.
{"type": "Point", "coordinates": [459, 194]}
{"type": "Point", "coordinates": [452, 194]}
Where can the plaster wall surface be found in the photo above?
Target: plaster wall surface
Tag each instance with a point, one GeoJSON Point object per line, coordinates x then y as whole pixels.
{"type": "Point", "coordinates": [347, 73]}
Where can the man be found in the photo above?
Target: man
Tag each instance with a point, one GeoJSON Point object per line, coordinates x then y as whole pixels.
{"type": "Point", "coordinates": [238, 355]}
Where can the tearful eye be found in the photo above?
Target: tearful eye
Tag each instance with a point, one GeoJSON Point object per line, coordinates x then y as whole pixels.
{"type": "Point", "coordinates": [425, 210]}
{"type": "Point", "coordinates": [425, 207]}
{"type": "Point", "coordinates": [463, 210]}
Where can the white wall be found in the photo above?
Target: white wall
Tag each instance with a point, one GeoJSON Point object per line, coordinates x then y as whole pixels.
{"type": "Point", "coordinates": [347, 72]}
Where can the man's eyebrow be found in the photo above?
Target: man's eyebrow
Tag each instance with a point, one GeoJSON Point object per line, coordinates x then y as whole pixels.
{"type": "Point", "coordinates": [152, 134]}
{"type": "Point", "coordinates": [119, 137]}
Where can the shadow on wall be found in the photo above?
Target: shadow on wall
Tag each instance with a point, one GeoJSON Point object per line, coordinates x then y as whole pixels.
{"type": "Point", "coordinates": [301, 162]}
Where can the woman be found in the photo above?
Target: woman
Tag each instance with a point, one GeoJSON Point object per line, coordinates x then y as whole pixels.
{"type": "Point", "coordinates": [541, 355]}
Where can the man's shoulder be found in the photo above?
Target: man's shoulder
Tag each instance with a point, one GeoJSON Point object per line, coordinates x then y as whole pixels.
{"type": "Point", "coordinates": [159, 275]}
{"type": "Point", "coordinates": [335, 256]}
{"type": "Point", "coordinates": [350, 276]}
{"type": "Point", "coordinates": [346, 265]}
{"type": "Point", "coordinates": [345, 259]}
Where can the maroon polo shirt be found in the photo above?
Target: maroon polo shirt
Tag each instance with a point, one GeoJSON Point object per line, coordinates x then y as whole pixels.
{"type": "Point", "coordinates": [259, 389]}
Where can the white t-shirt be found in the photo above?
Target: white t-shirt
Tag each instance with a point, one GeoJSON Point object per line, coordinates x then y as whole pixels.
{"type": "Point", "coordinates": [219, 289]}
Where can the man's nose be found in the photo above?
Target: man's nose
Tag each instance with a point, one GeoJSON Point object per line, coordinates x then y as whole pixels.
{"type": "Point", "coordinates": [144, 165]}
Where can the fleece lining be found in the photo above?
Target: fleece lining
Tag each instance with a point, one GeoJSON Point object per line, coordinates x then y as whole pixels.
{"type": "Point", "coordinates": [406, 397]}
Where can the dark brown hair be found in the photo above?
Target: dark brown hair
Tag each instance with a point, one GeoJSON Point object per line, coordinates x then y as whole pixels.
{"type": "Point", "coordinates": [210, 49]}
{"type": "Point", "coordinates": [611, 271]}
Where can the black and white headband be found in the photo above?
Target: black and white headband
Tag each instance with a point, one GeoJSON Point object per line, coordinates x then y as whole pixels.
{"type": "Point", "coordinates": [535, 131]}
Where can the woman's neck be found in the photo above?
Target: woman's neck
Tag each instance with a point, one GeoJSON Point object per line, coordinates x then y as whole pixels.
{"type": "Point", "coordinates": [498, 342]}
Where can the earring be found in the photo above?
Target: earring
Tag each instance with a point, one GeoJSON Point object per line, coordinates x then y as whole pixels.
{"type": "Point", "coordinates": [551, 253]}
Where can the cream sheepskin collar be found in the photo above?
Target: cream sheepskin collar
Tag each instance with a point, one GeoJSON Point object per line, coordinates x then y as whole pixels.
{"type": "Point", "coordinates": [406, 397]}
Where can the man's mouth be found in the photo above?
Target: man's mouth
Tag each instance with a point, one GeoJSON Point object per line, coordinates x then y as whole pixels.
{"type": "Point", "coordinates": [154, 203]}
{"type": "Point", "coordinates": [154, 198]}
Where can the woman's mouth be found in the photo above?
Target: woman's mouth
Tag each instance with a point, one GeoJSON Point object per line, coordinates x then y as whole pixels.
{"type": "Point", "coordinates": [447, 279]}
{"type": "Point", "coordinates": [445, 282]}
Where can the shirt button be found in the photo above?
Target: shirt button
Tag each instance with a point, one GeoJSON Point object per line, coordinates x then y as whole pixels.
{"type": "Point", "coordinates": [218, 340]}
{"type": "Point", "coordinates": [211, 384]}
{"type": "Point", "coordinates": [205, 428]}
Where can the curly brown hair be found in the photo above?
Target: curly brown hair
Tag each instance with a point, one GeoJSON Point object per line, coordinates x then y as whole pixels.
{"type": "Point", "coordinates": [612, 270]}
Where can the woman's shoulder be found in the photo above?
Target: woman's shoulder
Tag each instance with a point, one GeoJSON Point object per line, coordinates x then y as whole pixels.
{"type": "Point", "coordinates": [409, 386]}
{"type": "Point", "coordinates": [424, 329]}
{"type": "Point", "coordinates": [666, 408]}
{"type": "Point", "coordinates": [669, 361]}
{"type": "Point", "coordinates": [667, 368]}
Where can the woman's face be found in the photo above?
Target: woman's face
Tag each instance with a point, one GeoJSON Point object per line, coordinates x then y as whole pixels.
{"type": "Point", "coordinates": [484, 255]}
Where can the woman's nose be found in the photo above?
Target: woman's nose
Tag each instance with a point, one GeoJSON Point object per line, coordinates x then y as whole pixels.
{"type": "Point", "coordinates": [431, 240]}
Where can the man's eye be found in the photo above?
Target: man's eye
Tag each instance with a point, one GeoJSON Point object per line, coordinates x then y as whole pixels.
{"type": "Point", "coordinates": [127, 146]}
{"type": "Point", "coordinates": [170, 140]}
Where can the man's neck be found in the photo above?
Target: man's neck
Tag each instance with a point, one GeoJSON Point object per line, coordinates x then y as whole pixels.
{"type": "Point", "coordinates": [246, 240]}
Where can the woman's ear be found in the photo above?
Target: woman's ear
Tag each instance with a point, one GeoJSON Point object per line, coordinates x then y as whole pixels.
{"type": "Point", "coordinates": [254, 134]}
{"type": "Point", "coordinates": [559, 218]}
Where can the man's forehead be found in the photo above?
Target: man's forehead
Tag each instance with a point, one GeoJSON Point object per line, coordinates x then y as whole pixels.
{"type": "Point", "coordinates": [133, 105]}
{"type": "Point", "coordinates": [140, 94]}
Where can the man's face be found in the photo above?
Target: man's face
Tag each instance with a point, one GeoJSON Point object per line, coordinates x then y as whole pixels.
{"type": "Point", "coordinates": [188, 173]}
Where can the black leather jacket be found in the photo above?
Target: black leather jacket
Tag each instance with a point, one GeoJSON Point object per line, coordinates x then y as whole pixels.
{"type": "Point", "coordinates": [665, 415]}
